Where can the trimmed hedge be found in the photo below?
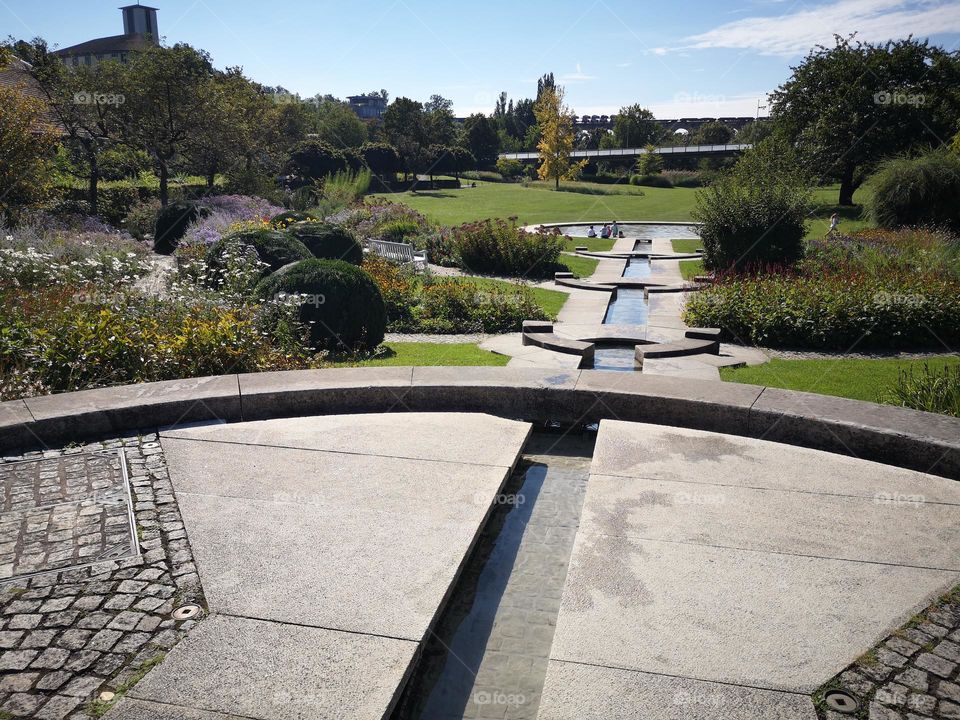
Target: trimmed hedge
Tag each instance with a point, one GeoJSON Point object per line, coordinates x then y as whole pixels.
{"type": "Point", "coordinates": [325, 240]}
{"type": "Point", "coordinates": [172, 222]}
{"type": "Point", "coordinates": [273, 247]}
{"type": "Point", "coordinates": [341, 303]}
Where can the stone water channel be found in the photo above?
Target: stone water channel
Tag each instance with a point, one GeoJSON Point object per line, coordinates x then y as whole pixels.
{"type": "Point", "coordinates": [628, 306]}
{"type": "Point", "coordinates": [487, 657]}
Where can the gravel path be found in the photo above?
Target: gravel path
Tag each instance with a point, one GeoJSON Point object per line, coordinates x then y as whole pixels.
{"type": "Point", "coordinates": [879, 355]}
{"type": "Point", "coordinates": [473, 338]}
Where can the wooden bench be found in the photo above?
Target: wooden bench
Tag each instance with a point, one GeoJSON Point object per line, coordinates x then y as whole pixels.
{"type": "Point", "coordinates": [398, 252]}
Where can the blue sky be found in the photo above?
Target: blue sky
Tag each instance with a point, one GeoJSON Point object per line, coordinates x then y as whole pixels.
{"type": "Point", "coordinates": [678, 57]}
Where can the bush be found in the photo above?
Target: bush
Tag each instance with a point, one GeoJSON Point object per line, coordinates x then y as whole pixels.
{"type": "Point", "coordinates": [509, 168]}
{"type": "Point", "coordinates": [172, 223]}
{"type": "Point", "coordinates": [288, 217]}
{"type": "Point", "coordinates": [930, 391]}
{"type": "Point", "coordinates": [325, 240]}
{"type": "Point", "coordinates": [917, 191]}
{"type": "Point", "coordinates": [660, 181]}
{"type": "Point", "coordinates": [501, 248]}
{"type": "Point", "coordinates": [398, 230]}
{"type": "Point", "coordinates": [398, 287]}
{"type": "Point", "coordinates": [650, 163]}
{"type": "Point", "coordinates": [755, 215]}
{"type": "Point", "coordinates": [457, 306]}
{"type": "Point", "coordinates": [340, 302]}
{"type": "Point", "coordinates": [273, 248]}
{"type": "Point", "coordinates": [141, 219]}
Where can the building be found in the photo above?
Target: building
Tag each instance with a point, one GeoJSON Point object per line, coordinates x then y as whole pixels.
{"type": "Point", "coordinates": [368, 107]}
{"type": "Point", "coordinates": [15, 75]}
{"type": "Point", "coordinates": [139, 31]}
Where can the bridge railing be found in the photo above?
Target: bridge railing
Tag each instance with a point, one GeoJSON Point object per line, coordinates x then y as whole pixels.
{"type": "Point", "coordinates": [634, 152]}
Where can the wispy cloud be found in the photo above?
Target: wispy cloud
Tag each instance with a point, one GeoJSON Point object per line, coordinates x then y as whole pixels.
{"type": "Point", "coordinates": [577, 77]}
{"type": "Point", "coordinates": [797, 32]}
{"type": "Point", "coordinates": [624, 65]}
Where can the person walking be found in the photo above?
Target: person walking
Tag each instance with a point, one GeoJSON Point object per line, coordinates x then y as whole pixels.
{"type": "Point", "coordinates": [834, 222]}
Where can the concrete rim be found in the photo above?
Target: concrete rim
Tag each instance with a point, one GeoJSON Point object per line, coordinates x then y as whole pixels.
{"type": "Point", "coordinates": [895, 436]}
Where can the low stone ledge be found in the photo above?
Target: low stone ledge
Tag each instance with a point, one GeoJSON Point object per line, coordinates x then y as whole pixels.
{"type": "Point", "coordinates": [892, 435]}
{"type": "Point", "coordinates": [680, 348]}
{"type": "Point", "coordinates": [703, 333]}
{"type": "Point", "coordinates": [119, 410]}
{"type": "Point", "coordinates": [558, 343]}
{"type": "Point", "coordinates": [578, 284]}
{"type": "Point", "coordinates": [896, 436]}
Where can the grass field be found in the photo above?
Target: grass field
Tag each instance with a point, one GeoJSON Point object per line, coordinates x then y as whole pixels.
{"type": "Point", "coordinates": [592, 244]}
{"type": "Point", "coordinates": [411, 353]}
{"type": "Point", "coordinates": [856, 379]}
{"type": "Point", "coordinates": [689, 269]}
{"type": "Point", "coordinates": [686, 245]}
{"type": "Point", "coordinates": [592, 202]}
{"type": "Point", "coordinates": [580, 266]}
{"type": "Point", "coordinates": [550, 300]}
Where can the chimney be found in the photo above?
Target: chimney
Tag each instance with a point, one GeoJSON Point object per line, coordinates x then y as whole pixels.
{"type": "Point", "coordinates": [140, 20]}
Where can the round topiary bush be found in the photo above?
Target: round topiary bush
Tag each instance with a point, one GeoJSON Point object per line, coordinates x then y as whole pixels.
{"type": "Point", "coordinates": [172, 222]}
{"type": "Point", "coordinates": [288, 217]}
{"type": "Point", "coordinates": [328, 241]}
{"type": "Point", "coordinates": [273, 247]}
{"type": "Point", "coordinates": [917, 191]}
{"type": "Point", "coordinates": [341, 301]}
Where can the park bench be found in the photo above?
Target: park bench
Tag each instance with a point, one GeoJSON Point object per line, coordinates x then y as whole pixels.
{"type": "Point", "coordinates": [398, 252]}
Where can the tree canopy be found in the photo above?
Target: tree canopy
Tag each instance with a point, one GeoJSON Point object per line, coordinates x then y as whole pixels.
{"type": "Point", "coordinates": [557, 137]}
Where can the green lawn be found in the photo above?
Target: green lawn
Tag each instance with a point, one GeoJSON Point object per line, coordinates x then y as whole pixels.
{"type": "Point", "coordinates": [541, 204]}
{"type": "Point", "coordinates": [550, 300]}
{"type": "Point", "coordinates": [596, 244]}
{"type": "Point", "coordinates": [857, 379]}
{"type": "Point", "coordinates": [689, 269]}
{"type": "Point", "coordinates": [580, 266]}
{"type": "Point", "coordinates": [412, 353]}
{"type": "Point", "coordinates": [825, 204]}
{"type": "Point", "coordinates": [686, 245]}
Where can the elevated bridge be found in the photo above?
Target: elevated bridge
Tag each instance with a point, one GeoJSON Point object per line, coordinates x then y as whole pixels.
{"type": "Point", "coordinates": [685, 150]}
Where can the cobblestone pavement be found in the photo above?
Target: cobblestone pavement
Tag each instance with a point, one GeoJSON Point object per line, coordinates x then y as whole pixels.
{"type": "Point", "coordinates": [67, 636]}
{"type": "Point", "coordinates": [912, 675]}
{"type": "Point", "coordinates": [488, 658]}
{"type": "Point", "coordinates": [59, 512]}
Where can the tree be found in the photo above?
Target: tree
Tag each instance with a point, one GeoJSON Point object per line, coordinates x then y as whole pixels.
{"type": "Point", "coordinates": [338, 125]}
{"type": "Point", "coordinates": [480, 136]}
{"type": "Point", "coordinates": [27, 142]}
{"type": "Point", "coordinates": [85, 102]}
{"type": "Point", "coordinates": [754, 132]}
{"type": "Point", "coordinates": [313, 160]}
{"type": "Point", "coordinates": [439, 124]}
{"type": "Point", "coordinates": [168, 94]}
{"type": "Point", "coordinates": [557, 137]}
{"type": "Point", "coordinates": [713, 133]}
{"type": "Point", "coordinates": [650, 163]}
{"type": "Point", "coordinates": [403, 125]}
{"type": "Point", "coordinates": [381, 158]}
{"type": "Point", "coordinates": [634, 127]}
{"type": "Point", "coordinates": [847, 107]}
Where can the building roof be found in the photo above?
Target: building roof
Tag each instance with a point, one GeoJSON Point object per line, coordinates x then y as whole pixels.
{"type": "Point", "coordinates": [107, 45]}
{"type": "Point", "coordinates": [16, 75]}
{"type": "Point", "coordinates": [125, 7]}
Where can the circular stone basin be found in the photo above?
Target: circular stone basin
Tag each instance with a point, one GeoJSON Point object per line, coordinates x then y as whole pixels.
{"type": "Point", "coordinates": [635, 230]}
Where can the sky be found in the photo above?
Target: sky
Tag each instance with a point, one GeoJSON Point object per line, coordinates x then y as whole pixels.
{"type": "Point", "coordinates": [680, 58]}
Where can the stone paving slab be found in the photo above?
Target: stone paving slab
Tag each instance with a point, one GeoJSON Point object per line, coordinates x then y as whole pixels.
{"type": "Point", "coordinates": [469, 438]}
{"type": "Point", "coordinates": [584, 692]}
{"type": "Point", "coordinates": [129, 709]}
{"type": "Point", "coordinates": [272, 670]}
{"type": "Point", "coordinates": [330, 540]}
{"type": "Point", "coordinates": [834, 526]}
{"type": "Point", "coordinates": [669, 453]}
{"type": "Point", "coordinates": [749, 618]}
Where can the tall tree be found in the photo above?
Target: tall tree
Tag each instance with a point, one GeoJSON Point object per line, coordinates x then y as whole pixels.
{"type": "Point", "coordinates": [404, 127]}
{"type": "Point", "coordinates": [634, 126]}
{"type": "Point", "coordinates": [169, 93]}
{"type": "Point", "coordinates": [338, 125]}
{"type": "Point", "coordinates": [85, 102]}
{"type": "Point", "coordinates": [715, 133]}
{"type": "Point", "coordinates": [848, 106]}
{"type": "Point", "coordinates": [557, 136]}
{"type": "Point", "coordinates": [480, 136]}
{"type": "Point", "coordinates": [27, 141]}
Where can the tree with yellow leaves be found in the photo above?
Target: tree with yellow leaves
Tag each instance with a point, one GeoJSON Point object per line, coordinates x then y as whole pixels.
{"type": "Point", "coordinates": [555, 121]}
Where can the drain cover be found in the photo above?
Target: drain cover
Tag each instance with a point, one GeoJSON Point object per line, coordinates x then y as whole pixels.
{"type": "Point", "coordinates": [64, 512]}
{"type": "Point", "coordinates": [185, 612]}
{"type": "Point", "coordinates": [841, 701]}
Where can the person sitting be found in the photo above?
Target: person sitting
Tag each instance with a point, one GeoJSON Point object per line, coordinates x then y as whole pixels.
{"type": "Point", "coordinates": [605, 232]}
{"type": "Point", "coordinates": [620, 234]}
{"type": "Point", "coordinates": [591, 233]}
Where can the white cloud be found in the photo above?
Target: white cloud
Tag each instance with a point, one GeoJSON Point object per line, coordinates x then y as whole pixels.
{"type": "Point", "coordinates": [684, 105]}
{"type": "Point", "coordinates": [578, 77]}
{"type": "Point", "coordinates": [796, 33]}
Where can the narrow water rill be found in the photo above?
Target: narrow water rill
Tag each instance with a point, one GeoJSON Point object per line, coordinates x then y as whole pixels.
{"type": "Point", "coordinates": [628, 306]}
{"type": "Point", "coordinates": [637, 268]}
{"type": "Point", "coordinates": [488, 655]}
